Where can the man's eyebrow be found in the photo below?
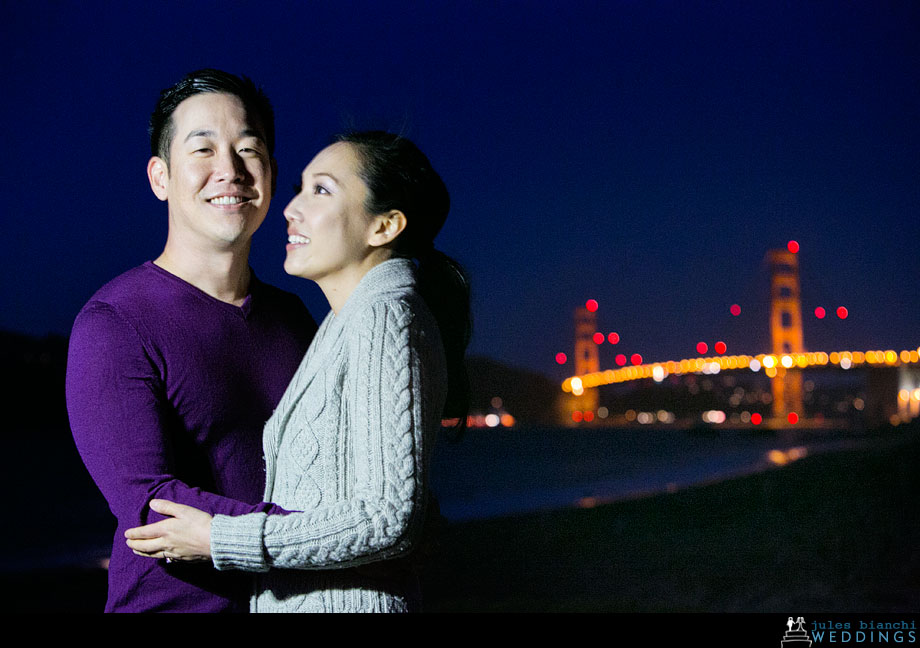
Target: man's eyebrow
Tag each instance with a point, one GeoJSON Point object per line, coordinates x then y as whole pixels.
{"type": "Point", "coordinates": [199, 133]}
{"type": "Point", "coordinates": [248, 132]}
{"type": "Point", "coordinates": [252, 132]}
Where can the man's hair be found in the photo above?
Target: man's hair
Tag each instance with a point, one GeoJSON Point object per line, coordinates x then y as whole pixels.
{"type": "Point", "coordinates": [258, 107]}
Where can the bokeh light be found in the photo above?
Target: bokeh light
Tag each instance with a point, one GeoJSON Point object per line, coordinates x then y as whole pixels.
{"type": "Point", "coordinates": [613, 338]}
{"type": "Point", "coordinates": [756, 418]}
{"type": "Point", "coordinates": [591, 305]}
{"type": "Point", "coordinates": [842, 312]}
{"type": "Point", "coordinates": [820, 312]}
{"type": "Point", "coordinates": [588, 416]}
{"type": "Point", "coordinates": [577, 416]}
{"type": "Point", "coordinates": [620, 359]}
{"type": "Point", "coordinates": [561, 358]}
{"type": "Point", "coordinates": [793, 246]}
{"type": "Point", "coordinates": [735, 310]}
{"type": "Point", "coordinates": [720, 347]}
{"type": "Point", "coordinates": [636, 359]}
{"type": "Point", "coordinates": [598, 338]}
{"type": "Point", "coordinates": [793, 418]}
{"type": "Point", "coordinates": [702, 347]}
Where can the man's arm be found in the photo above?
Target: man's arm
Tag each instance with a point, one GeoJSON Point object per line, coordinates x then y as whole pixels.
{"type": "Point", "coordinates": [121, 421]}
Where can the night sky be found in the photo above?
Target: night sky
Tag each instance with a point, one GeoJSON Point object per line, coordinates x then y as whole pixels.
{"type": "Point", "coordinates": [645, 154]}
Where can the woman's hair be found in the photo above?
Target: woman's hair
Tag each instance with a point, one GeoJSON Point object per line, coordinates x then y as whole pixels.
{"type": "Point", "coordinates": [399, 176]}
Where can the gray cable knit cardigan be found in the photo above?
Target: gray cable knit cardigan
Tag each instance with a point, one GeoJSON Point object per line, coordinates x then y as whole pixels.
{"type": "Point", "coordinates": [348, 448]}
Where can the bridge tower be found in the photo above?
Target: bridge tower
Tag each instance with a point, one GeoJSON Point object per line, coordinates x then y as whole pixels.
{"type": "Point", "coordinates": [587, 356]}
{"type": "Point", "coordinates": [786, 330]}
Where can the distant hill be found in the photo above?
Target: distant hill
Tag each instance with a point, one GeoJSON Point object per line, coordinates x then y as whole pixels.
{"type": "Point", "coordinates": [32, 382]}
{"type": "Point", "coordinates": [528, 396]}
{"type": "Point", "coordinates": [32, 385]}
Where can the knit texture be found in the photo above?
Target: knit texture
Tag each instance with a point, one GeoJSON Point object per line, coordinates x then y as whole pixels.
{"type": "Point", "coordinates": [347, 448]}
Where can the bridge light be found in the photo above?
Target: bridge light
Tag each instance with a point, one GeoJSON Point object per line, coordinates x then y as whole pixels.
{"type": "Point", "coordinates": [598, 338]}
{"type": "Point", "coordinates": [720, 347]}
{"type": "Point", "coordinates": [769, 361]}
{"type": "Point", "coordinates": [845, 363]}
{"type": "Point", "coordinates": [561, 358]}
{"type": "Point", "coordinates": [793, 246]}
{"type": "Point", "coordinates": [820, 312]}
{"type": "Point", "coordinates": [787, 361]}
{"type": "Point", "coordinates": [591, 305]}
{"type": "Point", "coordinates": [702, 347]}
{"type": "Point", "coordinates": [842, 312]}
{"type": "Point", "coordinates": [891, 357]}
{"type": "Point", "coordinates": [613, 338]}
{"type": "Point", "coordinates": [755, 365]}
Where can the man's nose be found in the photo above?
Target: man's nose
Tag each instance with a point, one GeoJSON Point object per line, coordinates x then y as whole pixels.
{"type": "Point", "coordinates": [230, 167]}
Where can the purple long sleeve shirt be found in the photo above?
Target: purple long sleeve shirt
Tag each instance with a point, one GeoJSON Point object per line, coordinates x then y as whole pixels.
{"type": "Point", "coordinates": [167, 392]}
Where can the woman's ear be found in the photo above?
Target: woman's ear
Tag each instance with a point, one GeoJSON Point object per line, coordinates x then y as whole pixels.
{"type": "Point", "coordinates": [386, 227]}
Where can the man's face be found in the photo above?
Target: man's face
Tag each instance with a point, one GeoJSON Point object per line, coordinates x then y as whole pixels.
{"type": "Point", "coordinates": [218, 183]}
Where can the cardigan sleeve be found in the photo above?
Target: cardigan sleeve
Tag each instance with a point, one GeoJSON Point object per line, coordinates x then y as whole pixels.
{"type": "Point", "coordinates": [394, 390]}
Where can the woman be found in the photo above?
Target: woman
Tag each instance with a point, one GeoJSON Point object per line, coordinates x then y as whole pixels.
{"type": "Point", "coordinates": [348, 446]}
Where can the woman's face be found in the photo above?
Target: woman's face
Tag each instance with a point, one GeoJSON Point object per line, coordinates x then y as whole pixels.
{"type": "Point", "coordinates": [328, 225]}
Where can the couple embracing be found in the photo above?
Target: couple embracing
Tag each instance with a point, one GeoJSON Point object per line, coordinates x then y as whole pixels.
{"type": "Point", "coordinates": [250, 458]}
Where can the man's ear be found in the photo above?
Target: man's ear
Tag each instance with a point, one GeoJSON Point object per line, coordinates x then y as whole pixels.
{"type": "Point", "coordinates": [158, 175]}
{"type": "Point", "coordinates": [386, 227]}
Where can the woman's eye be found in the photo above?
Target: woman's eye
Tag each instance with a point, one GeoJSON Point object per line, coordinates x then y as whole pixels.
{"type": "Point", "coordinates": [320, 189]}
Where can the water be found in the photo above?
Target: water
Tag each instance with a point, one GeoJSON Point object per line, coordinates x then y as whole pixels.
{"type": "Point", "coordinates": [64, 521]}
{"type": "Point", "coordinates": [497, 473]}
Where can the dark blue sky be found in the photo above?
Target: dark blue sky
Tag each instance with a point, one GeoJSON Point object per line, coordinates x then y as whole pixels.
{"type": "Point", "coordinates": [646, 154]}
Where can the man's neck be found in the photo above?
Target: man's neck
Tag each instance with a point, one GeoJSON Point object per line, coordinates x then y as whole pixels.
{"type": "Point", "coordinates": [224, 275]}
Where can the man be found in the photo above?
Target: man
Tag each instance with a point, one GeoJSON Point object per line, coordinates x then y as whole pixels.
{"type": "Point", "coordinates": [175, 365]}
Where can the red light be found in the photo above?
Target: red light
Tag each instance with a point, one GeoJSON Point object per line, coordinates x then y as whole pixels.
{"type": "Point", "coordinates": [620, 359]}
{"type": "Point", "coordinates": [820, 312]}
{"type": "Point", "coordinates": [720, 347]}
{"type": "Point", "coordinates": [613, 338]}
{"type": "Point", "coordinates": [560, 358]}
{"type": "Point", "coordinates": [598, 338]}
{"type": "Point", "coordinates": [793, 418]}
{"type": "Point", "coordinates": [735, 310]}
{"type": "Point", "coordinates": [702, 347]}
{"type": "Point", "coordinates": [589, 416]}
{"type": "Point", "coordinates": [793, 246]}
{"type": "Point", "coordinates": [756, 418]}
{"type": "Point", "coordinates": [591, 305]}
{"type": "Point", "coordinates": [576, 416]}
{"type": "Point", "coordinates": [842, 312]}
{"type": "Point", "coordinates": [636, 359]}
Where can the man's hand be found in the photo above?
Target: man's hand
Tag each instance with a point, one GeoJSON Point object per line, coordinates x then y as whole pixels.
{"type": "Point", "coordinates": [186, 536]}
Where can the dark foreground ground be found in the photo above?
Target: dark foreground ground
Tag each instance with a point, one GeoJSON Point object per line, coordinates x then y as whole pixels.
{"type": "Point", "coordinates": [832, 533]}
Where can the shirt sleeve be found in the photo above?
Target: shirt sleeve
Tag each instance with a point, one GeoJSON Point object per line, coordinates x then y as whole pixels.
{"type": "Point", "coordinates": [121, 421]}
{"type": "Point", "coordinates": [395, 390]}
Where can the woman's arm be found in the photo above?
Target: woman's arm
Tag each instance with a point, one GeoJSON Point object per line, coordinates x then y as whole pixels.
{"type": "Point", "coordinates": [394, 393]}
{"type": "Point", "coordinates": [396, 385]}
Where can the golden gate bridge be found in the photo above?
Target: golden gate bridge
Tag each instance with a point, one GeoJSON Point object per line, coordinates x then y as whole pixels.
{"type": "Point", "coordinates": [894, 397]}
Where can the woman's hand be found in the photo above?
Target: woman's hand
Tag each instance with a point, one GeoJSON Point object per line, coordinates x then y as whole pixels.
{"type": "Point", "coordinates": [186, 536]}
